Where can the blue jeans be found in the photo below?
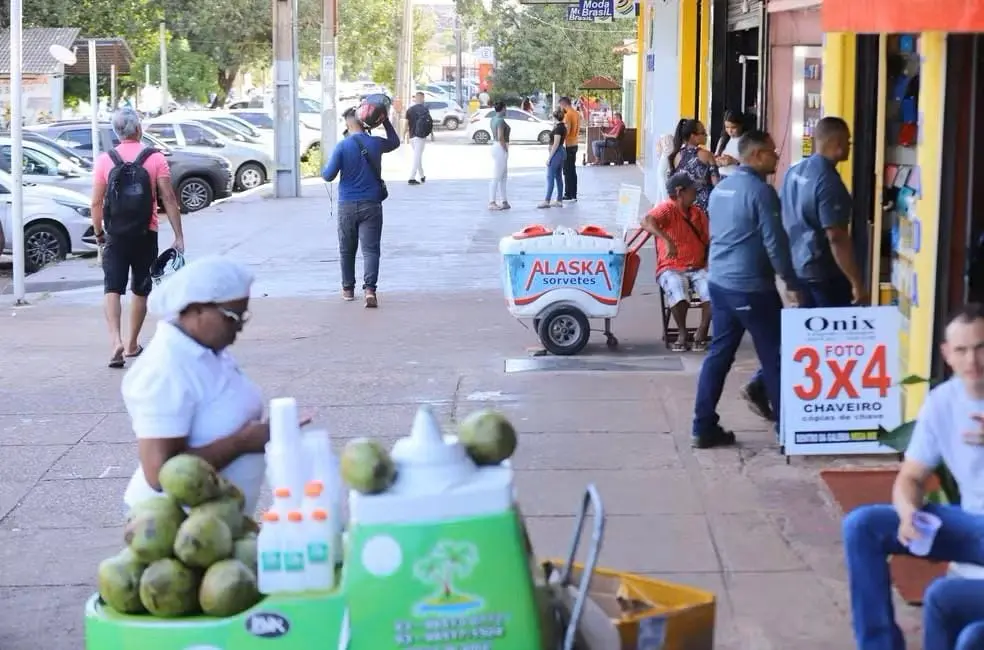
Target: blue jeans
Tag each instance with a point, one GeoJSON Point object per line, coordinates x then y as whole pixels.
{"type": "Point", "coordinates": [555, 173]}
{"type": "Point", "coordinates": [953, 615]}
{"type": "Point", "coordinates": [734, 312]}
{"type": "Point", "coordinates": [598, 145]}
{"type": "Point", "coordinates": [830, 293]}
{"type": "Point", "coordinates": [870, 537]}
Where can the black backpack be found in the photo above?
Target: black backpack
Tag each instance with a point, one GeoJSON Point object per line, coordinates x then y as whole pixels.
{"type": "Point", "coordinates": [129, 203]}
{"type": "Point", "coordinates": [424, 125]}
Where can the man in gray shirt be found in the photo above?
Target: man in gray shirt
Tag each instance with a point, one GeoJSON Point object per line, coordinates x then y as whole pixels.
{"type": "Point", "coordinates": [816, 213]}
{"type": "Point", "coordinates": [748, 249]}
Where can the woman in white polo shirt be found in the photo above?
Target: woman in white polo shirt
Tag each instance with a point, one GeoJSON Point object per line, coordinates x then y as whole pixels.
{"type": "Point", "coordinates": [186, 393]}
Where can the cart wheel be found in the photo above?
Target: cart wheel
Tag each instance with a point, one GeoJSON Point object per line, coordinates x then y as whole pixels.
{"type": "Point", "coordinates": [611, 341]}
{"type": "Point", "coordinates": [564, 331]}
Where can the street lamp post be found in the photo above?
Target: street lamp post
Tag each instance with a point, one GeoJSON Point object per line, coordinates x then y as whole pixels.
{"type": "Point", "coordinates": [17, 147]}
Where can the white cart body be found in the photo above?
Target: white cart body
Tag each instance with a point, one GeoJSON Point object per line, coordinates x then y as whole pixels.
{"type": "Point", "coordinates": [542, 268]}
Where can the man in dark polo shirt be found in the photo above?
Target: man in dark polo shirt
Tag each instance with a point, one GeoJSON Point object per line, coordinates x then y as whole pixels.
{"type": "Point", "coordinates": [816, 213]}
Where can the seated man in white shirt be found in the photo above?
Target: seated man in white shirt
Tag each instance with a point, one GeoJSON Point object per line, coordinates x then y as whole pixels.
{"type": "Point", "coordinates": [950, 429]}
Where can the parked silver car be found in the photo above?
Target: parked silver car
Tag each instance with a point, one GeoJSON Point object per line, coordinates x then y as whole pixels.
{"type": "Point", "coordinates": [253, 165]}
{"type": "Point", "coordinates": [47, 166]}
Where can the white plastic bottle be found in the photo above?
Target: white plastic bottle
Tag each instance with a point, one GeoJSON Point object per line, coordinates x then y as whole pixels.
{"type": "Point", "coordinates": [320, 567]}
{"type": "Point", "coordinates": [314, 498]}
{"type": "Point", "coordinates": [295, 552]}
{"type": "Point", "coordinates": [270, 558]}
{"type": "Point", "coordinates": [282, 503]}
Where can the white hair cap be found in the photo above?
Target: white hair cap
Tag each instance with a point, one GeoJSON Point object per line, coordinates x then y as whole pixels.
{"type": "Point", "coordinates": [206, 280]}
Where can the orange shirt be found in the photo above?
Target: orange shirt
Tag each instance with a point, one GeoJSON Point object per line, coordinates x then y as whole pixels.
{"type": "Point", "coordinates": [691, 253]}
{"type": "Point", "coordinates": [572, 120]}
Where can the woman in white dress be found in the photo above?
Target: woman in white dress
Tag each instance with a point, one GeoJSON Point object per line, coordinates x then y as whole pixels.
{"type": "Point", "coordinates": [727, 150]}
{"type": "Point", "coordinates": [186, 393]}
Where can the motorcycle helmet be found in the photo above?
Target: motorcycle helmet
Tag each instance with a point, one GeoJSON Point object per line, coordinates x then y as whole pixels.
{"type": "Point", "coordinates": [166, 264]}
{"type": "Point", "coordinates": [372, 112]}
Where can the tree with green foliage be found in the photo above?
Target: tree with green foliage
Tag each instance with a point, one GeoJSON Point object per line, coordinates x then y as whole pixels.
{"type": "Point", "coordinates": [369, 37]}
{"type": "Point", "coordinates": [536, 46]}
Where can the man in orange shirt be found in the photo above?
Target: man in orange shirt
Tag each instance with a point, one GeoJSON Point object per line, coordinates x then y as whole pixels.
{"type": "Point", "coordinates": [682, 236]}
{"type": "Point", "coordinates": [572, 120]}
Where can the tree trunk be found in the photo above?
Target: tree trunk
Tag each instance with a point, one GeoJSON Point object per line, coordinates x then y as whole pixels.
{"type": "Point", "coordinates": [227, 77]}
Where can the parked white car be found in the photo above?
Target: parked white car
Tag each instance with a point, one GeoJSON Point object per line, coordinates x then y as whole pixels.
{"type": "Point", "coordinates": [46, 165]}
{"type": "Point", "coordinates": [252, 163]}
{"type": "Point", "coordinates": [446, 113]}
{"type": "Point", "coordinates": [262, 120]}
{"type": "Point", "coordinates": [524, 127]}
{"type": "Point", "coordinates": [57, 223]}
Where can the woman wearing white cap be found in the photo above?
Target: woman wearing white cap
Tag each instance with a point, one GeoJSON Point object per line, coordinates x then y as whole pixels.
{"type": "Point", "coordinates": [186, 394]}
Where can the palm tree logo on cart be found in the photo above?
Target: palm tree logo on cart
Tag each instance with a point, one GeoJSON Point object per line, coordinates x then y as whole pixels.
{"type": "Point", "coordinates": [447, 561]}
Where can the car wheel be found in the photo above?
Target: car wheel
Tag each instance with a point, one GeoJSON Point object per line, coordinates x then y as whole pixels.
{"type": "Point", "coordinates": [250, 175]}
{"type": "Point", "coordinates": [44, 243]}
{"type": "Point", "coordinates": [195, 194]}
{"type": "Point", "coordinates": [482, 137]}
{"type": "Point", "coordinates": [452, 124]}
{"type": "Point", "coordinates": [544, 137]}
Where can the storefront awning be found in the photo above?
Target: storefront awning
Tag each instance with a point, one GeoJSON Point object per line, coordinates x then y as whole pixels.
{"type": "Point", "coordinates": [902, 16]}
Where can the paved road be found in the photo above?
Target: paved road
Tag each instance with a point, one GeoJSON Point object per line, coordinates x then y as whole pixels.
{"type": "Point", "coordinates": [757, 532]}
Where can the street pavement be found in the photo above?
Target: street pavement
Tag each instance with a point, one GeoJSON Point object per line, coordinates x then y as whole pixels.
{"type": "Point", "coordinates": [760, 533]}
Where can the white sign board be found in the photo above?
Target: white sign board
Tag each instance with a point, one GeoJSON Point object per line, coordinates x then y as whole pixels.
{"type": "Point", "coordinates": [840, 379]}
{"type": "Point", "coordinates": [627, 213]}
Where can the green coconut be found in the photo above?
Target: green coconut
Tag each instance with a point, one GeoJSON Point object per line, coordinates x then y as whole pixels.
{"type": "Point", "coordinates": [488, 437]}
{"type": "Point", "coordinates": [190, 480]}
{"type": "Point", "coordinates": [244, 550]}
{"type": "Point", "coordinates": [169, 589]}
{"type": "Point", "coordinates": [366, 466]}
{"type": "Point", "coordinates": [151, 530]}
{"type": "Point", "coordinates": [203, 540]}
{"type": "Point", "coordinates": [228, 510]}
{"type": "Point", "coordinates": [228, 588]}
{"type": "Point", "coordinates": [119, 582]}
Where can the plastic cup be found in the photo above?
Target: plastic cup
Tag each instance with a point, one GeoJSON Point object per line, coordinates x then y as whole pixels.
{"type": "Point", "coordinates": [926, 524]}
{"type": "Point", "coordinates": [284, 429]}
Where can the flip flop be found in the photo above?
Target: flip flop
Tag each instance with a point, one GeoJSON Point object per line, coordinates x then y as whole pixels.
{"type": "Point", "coordinates": [700, 346]}
{"type": "Point", "coordinates": [135, 354]}
{"type": "Point", "coordinates": [118, 360]}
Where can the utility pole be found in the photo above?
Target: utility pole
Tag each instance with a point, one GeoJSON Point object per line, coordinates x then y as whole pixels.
{"type": "Point", "coordinates": [404, 69]}
{"type": "Point", "coordinates": [112, 87]}
{"type": "Point", "coordinates": [286, 155]}
{"type": "Point", "coordinates": [165, 101]}
{"type": "Point", "coordinates": [16, 146]}
{"type": "Point", "coordinates": [329, 78]}
{"type": "Point", "coordinates": [94, 100]}
{"type": "Point", "coordinates": [459, 68]}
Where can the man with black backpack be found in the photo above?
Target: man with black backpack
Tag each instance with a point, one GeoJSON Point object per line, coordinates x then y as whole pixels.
{"type": "Point", "coordinates": [361, 192]}
{"type": "Point", "coordinates": [127, 183]}
{"type": "Point", "coordinates": [420, 126]}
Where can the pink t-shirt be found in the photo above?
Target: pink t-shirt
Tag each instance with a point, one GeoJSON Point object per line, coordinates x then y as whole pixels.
{"type": "Point", "coordinates": [156, 166]}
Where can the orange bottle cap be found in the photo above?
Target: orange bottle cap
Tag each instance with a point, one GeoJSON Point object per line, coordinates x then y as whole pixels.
{"type": "Point", "coordinates": [271, 516]}
{"type": "Point", "coordinates": [314, 489]}
{"type": "Point", "coordinates": [319, 515]}
{"type": "Point", "coordinates": [282, 492]}
{"type": "Point", "coordinates": [294, 516]}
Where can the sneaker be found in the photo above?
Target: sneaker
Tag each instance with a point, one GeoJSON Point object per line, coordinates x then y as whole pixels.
{"type": "Point", "coordinates": [544, 204]}
{"type": "Point", "coordinates": [754, 395]}
{"type": "Point", "coordinates": [505, 205]}
{"type": "Point", "coordinates": [371, 301]}
{"type": "Point", "coordinates": [348, 295]}
{"type": "Point", "coordinates": [423, 179]}
{"type": "Point", "coordinates": [494, 206]}
{"type": "Point", "coordinates": [557, 204]}
{"type": "Point", "coordinates": [413, 181]}
{"type": "Point", "coordinates": [717, 438]}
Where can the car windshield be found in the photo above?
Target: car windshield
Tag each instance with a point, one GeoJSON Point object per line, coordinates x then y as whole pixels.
{"type": "Point", "coordinates": [222, 128]}
{"type": "Point", "coordinates": [240, 125]}
{"type": "Point", "coordinates": [153, 141]}
{"type": "Point", "coordinates": [63, 152]}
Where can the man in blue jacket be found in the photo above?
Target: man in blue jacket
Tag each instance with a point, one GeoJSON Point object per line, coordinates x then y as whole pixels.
{"type": "Point", "coordinates": [361, 191]}
{"type": "Point", "coordinates": [749, 247]}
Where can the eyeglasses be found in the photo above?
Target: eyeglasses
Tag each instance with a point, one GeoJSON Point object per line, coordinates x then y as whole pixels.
{"type": "Point", "coordinates": [235, 317]}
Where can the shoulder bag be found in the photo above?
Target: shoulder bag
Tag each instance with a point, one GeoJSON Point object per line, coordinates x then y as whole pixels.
{"type": "Point", "coordinates": [383, 190]}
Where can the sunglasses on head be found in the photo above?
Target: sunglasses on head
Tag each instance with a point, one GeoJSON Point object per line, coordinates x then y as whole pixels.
{"type": "Point", "coordinates": [238, 319]}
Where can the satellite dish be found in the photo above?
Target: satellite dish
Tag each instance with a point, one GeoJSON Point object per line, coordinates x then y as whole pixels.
{"type": "Point", "coordinates": [62, 54]}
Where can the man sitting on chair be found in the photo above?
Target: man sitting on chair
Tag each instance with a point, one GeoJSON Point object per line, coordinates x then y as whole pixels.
{"type": "Point", "coordinates": [682, 236]}
{"type": "Point", "coordinates": [610, 138]}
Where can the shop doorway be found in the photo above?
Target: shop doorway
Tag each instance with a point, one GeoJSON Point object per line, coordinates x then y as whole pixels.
{"type": "Point", "coordinates": [742, 73]}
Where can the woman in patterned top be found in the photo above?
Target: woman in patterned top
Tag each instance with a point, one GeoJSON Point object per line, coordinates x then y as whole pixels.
{"type": "Point", "coordinates": [689, 156]}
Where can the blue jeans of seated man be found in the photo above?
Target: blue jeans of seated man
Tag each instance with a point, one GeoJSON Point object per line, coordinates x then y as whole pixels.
{"type": "Point", "coordinates": [555, 174]}
{"type": "Point", "coordinates": [953, 615]}
{"type": "Point", "coordinates": [830, 293]}
{"type": "Point", "coordinates": [733, 313]}
{"type": "Point", "coordinates": [870, 537]}
{"type": "Point", "coordinates": [603, 143]}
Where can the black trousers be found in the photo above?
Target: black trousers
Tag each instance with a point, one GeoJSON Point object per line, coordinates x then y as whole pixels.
{"type": "Point", "coordinates": [570, 173]}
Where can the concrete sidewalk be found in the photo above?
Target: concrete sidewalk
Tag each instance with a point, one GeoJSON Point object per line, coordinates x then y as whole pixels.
{"type": "Point", "coordinates": [740, 522]}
